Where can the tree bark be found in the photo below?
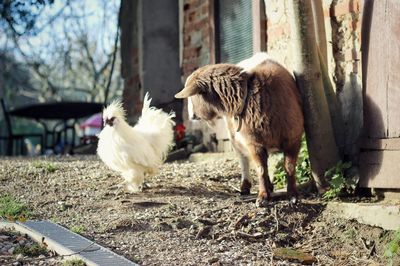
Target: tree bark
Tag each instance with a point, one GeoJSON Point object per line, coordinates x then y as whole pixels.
{"type": "Point", "coordinates": [321, 144]}
{"type": "Point", "coordinates": [129, 58]}
{"type": "Point", "coordinates": [319, 27]}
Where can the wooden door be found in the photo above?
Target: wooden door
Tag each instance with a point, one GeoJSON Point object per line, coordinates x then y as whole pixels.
{"type": "Point", "coordinates": [380, 156]}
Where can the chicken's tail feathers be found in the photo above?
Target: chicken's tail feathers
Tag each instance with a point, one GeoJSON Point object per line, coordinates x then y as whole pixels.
{"type": "Point", "coordinates": [146, 102]}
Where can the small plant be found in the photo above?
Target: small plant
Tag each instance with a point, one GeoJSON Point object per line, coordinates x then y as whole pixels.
{"type": "Point", "coordinates": [339, 183]}
{"type": "Point", "coordinates": [351, 233]}
{"type": "Point", "coordinates": [47, 166]}
{"type": "Point", "coordinates": [74, 262]}
{"type": "Point", "coordinates": [79, 229]}
{"type": "Point", "coordinates": [303, 170]}
{"type": "Point", "coordinates": [33, 250]}
{"type": "Point", "coordinates": [11, 209]}
{"type": "Point", "coordinates": [172, 207]}
{"type": "Point", "coordinates": [393, 248]}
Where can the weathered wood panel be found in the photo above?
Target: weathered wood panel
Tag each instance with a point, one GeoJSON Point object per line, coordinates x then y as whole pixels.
{"type": "Point", "coordinates": [380, 144]}
{"type": "Point", "coordinates": [393, 86]}
{"type": "Point", "coordinates": [376, 71]}
{"type": "Point", "coordinates": [380, 169]}
{"type": "Point", "coordinates": [380, 156]}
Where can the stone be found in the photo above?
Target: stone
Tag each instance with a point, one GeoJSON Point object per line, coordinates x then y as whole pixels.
{"type": "Point", "coordinates": [385, 216]}
{"type": "Point", "coordinates": [11, 250]}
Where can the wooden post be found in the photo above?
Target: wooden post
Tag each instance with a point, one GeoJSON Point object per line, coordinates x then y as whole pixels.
{"type": "Point", "coordinates": [321, 144]}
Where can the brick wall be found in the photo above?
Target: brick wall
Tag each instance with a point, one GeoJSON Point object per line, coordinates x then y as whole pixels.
{"type": "Point", "coordinates": [198, 38]}
{"type": "Point", "coordinates": [197, 35]}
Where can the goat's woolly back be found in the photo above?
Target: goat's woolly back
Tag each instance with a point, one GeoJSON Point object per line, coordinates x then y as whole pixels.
{"type": "Point", "coordinates": [249, 64]}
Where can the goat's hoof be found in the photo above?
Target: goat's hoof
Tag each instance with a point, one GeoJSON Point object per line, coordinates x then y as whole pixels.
{"type": "Point", "coordinates": [293, 200]}
{"type": "Point", "coordinates": [262, 201]}
{"type": "Point", "coordinates": [245, 187]}
{"type": "Point", "coordinates": [245, 192]}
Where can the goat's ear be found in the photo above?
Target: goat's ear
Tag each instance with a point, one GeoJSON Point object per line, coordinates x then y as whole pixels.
{"type": "Point", "coordinates": [187, 92]}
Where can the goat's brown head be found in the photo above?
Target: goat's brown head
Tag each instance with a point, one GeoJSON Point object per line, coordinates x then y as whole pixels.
{"type": "Point", "coordinates": [214, 90]}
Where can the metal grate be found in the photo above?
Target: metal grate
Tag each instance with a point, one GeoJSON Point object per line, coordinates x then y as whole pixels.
{"type": "Point", "coordinates": [91, 252]}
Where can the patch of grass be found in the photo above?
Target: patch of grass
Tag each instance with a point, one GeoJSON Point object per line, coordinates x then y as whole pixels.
{"type": "Point", "coordinates": [339, 183]}
{"type": "Point", "coordinates": [393, 248]}
{"type": "Point", "coordinates": [172, 207]}
{"type": "Point", "coordinates": [74, 262]}
{"type": "Point", "coordinates": [351, 233]}
{"type": "Point", "coordinates": [11, 209]}
{"type": "Point", "coordinates": [33, 250]}
{"type": "Point", "coordinates": [303, 169]}
{"type": "Point", "coordinates": [79, 229]}
{"type": "Point", "coordinates": [49, 167]}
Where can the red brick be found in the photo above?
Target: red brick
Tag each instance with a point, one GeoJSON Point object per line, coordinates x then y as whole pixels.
{"type": "Point", "coordinates": [346, 7]}
{"type": "Point", "coordinates": [201, 24]}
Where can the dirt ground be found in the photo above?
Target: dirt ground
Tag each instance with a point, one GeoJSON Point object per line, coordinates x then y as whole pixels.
{"type": "Point", "coordinates": [189, 214]}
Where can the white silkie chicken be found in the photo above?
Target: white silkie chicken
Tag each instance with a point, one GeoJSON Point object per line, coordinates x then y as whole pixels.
{"type": "Point", "coordinates": [136, 151]}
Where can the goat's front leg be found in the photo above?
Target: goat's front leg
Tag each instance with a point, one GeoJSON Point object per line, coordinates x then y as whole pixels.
{"type": "Point", "coordinates": [245, 181]}
{"type": "Point", "coordinates": [260, 158]}
{"type": "Point", "coordinates": [245, 185]}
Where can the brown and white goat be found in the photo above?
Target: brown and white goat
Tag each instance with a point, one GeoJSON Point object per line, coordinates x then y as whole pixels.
{"type": "Point", "coordinates": [261, 105]}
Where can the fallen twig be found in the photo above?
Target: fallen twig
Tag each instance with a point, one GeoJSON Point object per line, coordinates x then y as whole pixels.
{"type": "Point", "coordinates": [255, 236]}
{"type": "Point", "coordinates": [241, 221]}
{"type": "Point", "coordinates": [203, 232]}
{"type": "Point", "coordinates": [275, 214]}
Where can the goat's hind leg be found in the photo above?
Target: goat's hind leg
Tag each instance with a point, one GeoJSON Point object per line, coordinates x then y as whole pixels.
{"type": "Point", "coordinates": [291, 154]}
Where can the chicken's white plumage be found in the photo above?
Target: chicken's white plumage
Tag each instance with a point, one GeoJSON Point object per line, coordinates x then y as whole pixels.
{"type": "Point", "coordinates": [136, 151]}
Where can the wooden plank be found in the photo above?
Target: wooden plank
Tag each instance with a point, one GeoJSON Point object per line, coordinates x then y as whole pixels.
{"type": "Point", "coordinates": [375, 97]}
{"type": "Point", "coordinates": [394, 68]}
{"type": "Point", "coordinates": [258, 15]}
{"type": "Point", "coordinates": [380, 144]}
{"type": "Point", "coordinates": [213, 38]}
{"type": "Point", "coordinates": [380, 169]}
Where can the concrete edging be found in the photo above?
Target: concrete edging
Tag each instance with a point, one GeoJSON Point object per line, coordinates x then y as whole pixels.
{"type": "Point", "coordinates": [374, 214]}
{"type": "Point", "coordinates": [88, 250]}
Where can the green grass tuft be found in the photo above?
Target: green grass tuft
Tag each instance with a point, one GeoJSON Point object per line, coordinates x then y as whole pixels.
{"type": "Point", "coordinates": [79, 229]}
{"type": "Point", "coordinates": [74, 262]}
{"type": "Point", "coordinates": [393, 248]}
{"type": "Point", "coordinates": [33, 250]}
{"type": "Point", "coordinates": [11, 209]}
{"type": "Point", "coordinates": [49, 167]}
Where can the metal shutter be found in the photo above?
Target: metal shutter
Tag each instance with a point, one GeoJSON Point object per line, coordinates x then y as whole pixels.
{"type": "Point", "coordinates": [235, 30]}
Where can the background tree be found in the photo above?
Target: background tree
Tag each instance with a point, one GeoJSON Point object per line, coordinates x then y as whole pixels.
{"type": "Point", "coordinates": [69, 49]}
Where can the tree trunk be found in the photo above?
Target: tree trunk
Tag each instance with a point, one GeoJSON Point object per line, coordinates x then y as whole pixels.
{"type": "Point", "coordinates": [128, 21]}
{"type": "Point", "coordinates": [321, 144]}
{"type": "Point", "coordinates": [319, 27]}
{"type": "Point", "coordinates": [333, 105]}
